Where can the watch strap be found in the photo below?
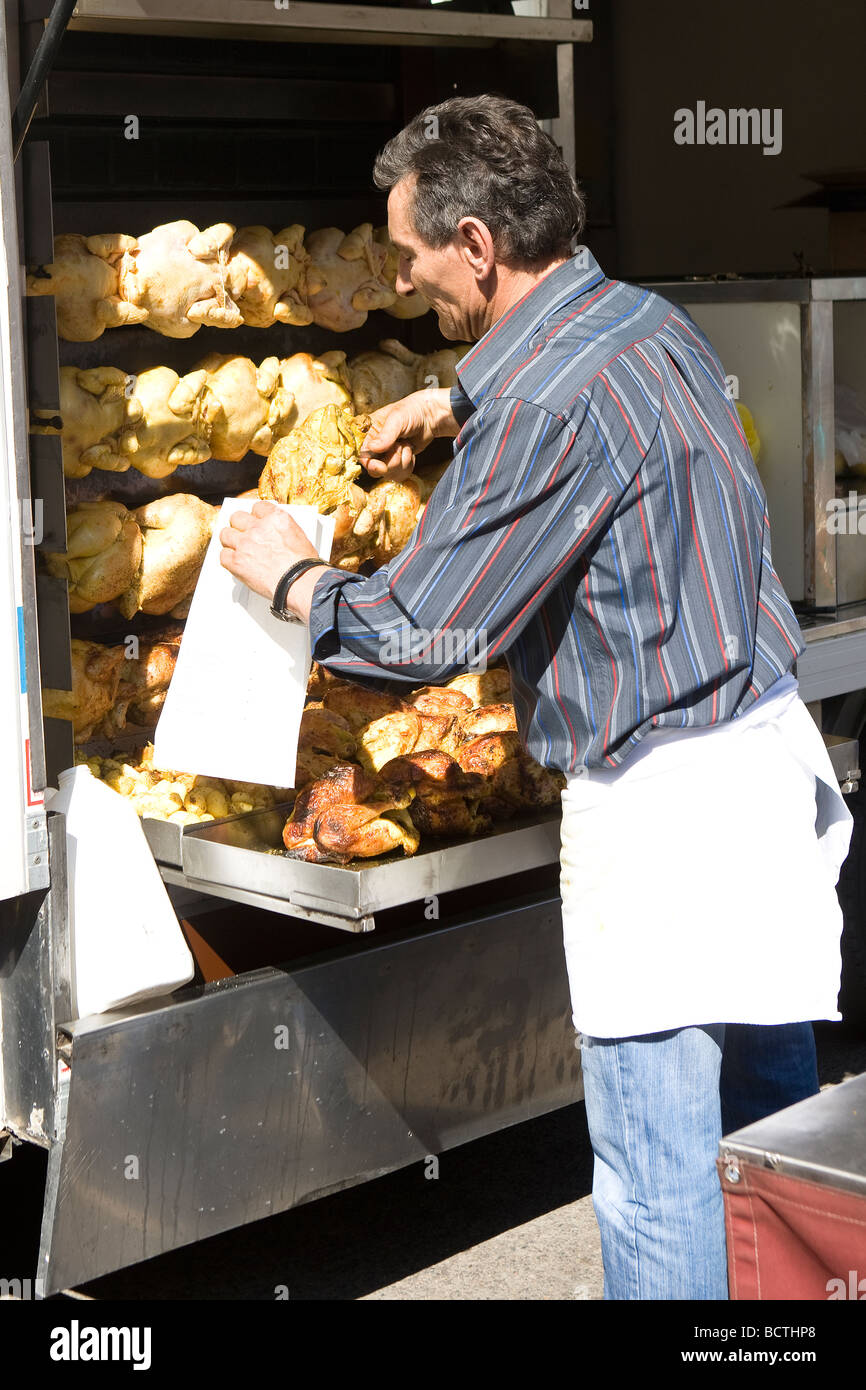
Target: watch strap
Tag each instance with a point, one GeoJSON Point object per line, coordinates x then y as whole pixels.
{"type": "Point", "coordinates": [278, 606]}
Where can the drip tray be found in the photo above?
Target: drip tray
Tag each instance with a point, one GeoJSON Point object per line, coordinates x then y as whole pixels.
{"type": "Point", "coordinates": [241, 857]}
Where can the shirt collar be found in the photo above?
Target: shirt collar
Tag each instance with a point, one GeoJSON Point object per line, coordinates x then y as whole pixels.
{"type": "Point", "coordinates": [478, 368]}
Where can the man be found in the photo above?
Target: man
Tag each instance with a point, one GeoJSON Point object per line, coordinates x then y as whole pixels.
{"type": "Point", "coordinates": [603, 525]}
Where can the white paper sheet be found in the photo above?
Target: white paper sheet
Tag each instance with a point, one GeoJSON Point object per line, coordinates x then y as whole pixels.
{"type": "Point", "coordinates": [234, 705]}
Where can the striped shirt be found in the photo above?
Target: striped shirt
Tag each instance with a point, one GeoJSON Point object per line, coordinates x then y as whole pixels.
{"type": "Point", "coordinates": [601, 526]}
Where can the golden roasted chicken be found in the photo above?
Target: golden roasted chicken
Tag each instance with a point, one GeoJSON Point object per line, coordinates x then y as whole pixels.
{"type": "Point", "coordinates": [103, 554]}
{"type": "Point", "coordinates": [144, 561]}
{"type": "Point", "coordinates": [114, 686]}
{"type": "Point", "coordinates": [348, 815]}
{"type": "Point", "coordinates": [176, 278]}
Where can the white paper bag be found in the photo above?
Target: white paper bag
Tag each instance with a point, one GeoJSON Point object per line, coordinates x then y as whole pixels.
{"type": "Point", "coordinates": [234, 705]}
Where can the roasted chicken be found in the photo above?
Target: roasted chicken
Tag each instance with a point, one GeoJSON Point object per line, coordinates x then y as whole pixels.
{"type": "Point", "coordinates": [175, 533]}
{"type": "Point", "coordinates": [83, 279]}
{"type": "Point", "coordinates": [344, 277]}
{"type": "Point", "coordinates": [265, 276]}
{"type": "Point", "coordinates": [96, 673]}
{"type": "Point", "coordinates": [176, 277]}
{"type": "Point", "coordinates": [448, 800]}
{"type": "Point", "coordinates": [143, 561]}
{"type": "Point", "coordinates": [347, 815]}
{"type": "Point", "coordinates": [163, 430]}
{"type": "Point", "coordinates": [238, 407]}
{"type": "Point", "coordinates": [393, 371]}
{"type": "Point", "coordinates": [517, 781]}
{"type": "Point", "coordinates": [325, 739]}
{"type": "Point", "coordinates": [103, 554]}
{"type": "Point", "coordinates": [145, 680]}
{"type": "Point", "coordinates": [95, 405]}
{"type": "Point", "coordinates": [483, 687]}
{"type": "Point", "coordinates": [317, 462]}
{"type": "Point", "coordinates": [357, 704]}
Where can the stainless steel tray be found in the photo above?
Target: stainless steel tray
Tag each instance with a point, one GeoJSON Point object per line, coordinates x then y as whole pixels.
{"type": "Point", "coordinates": [221, 857]}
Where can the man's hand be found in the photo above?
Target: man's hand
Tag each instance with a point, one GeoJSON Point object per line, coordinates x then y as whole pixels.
{"type": "Point", "coordinates": [260, 545]}
{"type": "Point", "coordinates": [401, 430]}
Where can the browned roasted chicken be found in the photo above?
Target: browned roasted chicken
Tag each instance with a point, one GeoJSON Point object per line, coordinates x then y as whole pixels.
{"type": "Point", "coordinates": [358, 705]}
{"type": "Point", "coordinates": [518, 782]}
{"type": "Point", "coordinates": [95, 679]}
{"type": "Point", "coordinates": [145, 680]}
{"type": "Point", "coordinates": [437, 699]}
{"type": "Point", "coordinates": [321, 677]}
{"type": "Point", "coordinates": [448, 800]}
{"type": "Point", "coordinates": [387, 738]}
{"type": "Point", "coordinates": [488, 687]}
{"type": "Point", "coordinates": [346, 815]}
{"type": "Point", "coordinates": [325, 739]}
{"type": "Point", "coordinates": [472, 723]}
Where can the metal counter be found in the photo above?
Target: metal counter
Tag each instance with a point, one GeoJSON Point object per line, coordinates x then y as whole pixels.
{"type": "Point", "coordinates": [238, 1099]}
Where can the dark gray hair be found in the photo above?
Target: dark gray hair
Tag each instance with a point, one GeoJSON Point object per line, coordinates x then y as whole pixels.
{"type": "Point", "coordinates": [486, 157]}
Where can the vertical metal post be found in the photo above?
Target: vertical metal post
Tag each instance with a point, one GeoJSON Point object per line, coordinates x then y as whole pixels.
{"type": "Point", "coordinates": [819, 477]}
{"type": "Point", "coordinates": [562, 127]}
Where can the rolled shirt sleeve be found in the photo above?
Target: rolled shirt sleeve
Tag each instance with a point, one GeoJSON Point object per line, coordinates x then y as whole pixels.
{"type": "Point", "coordinates": [493, 540]}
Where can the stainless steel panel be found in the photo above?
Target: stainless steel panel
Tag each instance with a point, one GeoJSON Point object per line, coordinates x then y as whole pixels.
{"type": "Point", "coordinates": [780, 291]}
{"type": "Point", "coordinates": [851, 562]}
{"type": "Point", "coordinates": [217, 853]}
{"type": "Point", "coordinates": [760, 347]}
{"type": "Point", "coordinates": [822, 1139]}
{"type": "Point", "coordinates": [833, 667]}
{"type": "Point", "coordinates": [840, 287]}
{"type": "Point", "coordinates": [175, 878]}
{"type": "Point", "coordinates": [193, 1118]}
{"type": "Point", "coordinates": [818, 627]}
{"type": "Point", "coordinates": [845, 756]}
{"type": "Point", "coordinates": [34, 994]}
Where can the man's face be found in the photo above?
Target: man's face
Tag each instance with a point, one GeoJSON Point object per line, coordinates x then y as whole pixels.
{"type": "Point", "coordinates": [441, 274]}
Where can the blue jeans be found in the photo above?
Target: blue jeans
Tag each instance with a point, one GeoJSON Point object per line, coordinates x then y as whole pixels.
{"type": "Point", "coordinates": [657, 1106]}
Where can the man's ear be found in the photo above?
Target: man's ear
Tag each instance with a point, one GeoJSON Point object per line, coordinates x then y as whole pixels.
{"type": "Point", "coordinates": [476, 245]}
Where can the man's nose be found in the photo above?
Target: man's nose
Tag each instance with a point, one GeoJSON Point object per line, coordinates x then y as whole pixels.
{"type": "Point", "coordinates": [402, 283]}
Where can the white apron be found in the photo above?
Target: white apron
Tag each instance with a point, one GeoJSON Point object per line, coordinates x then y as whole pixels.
{"type": "Point", "coordinates": [698, 879]}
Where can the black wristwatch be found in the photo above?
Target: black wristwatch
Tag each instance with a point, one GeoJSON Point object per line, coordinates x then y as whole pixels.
{"type": "Point", "coordinates": [278, 606]}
